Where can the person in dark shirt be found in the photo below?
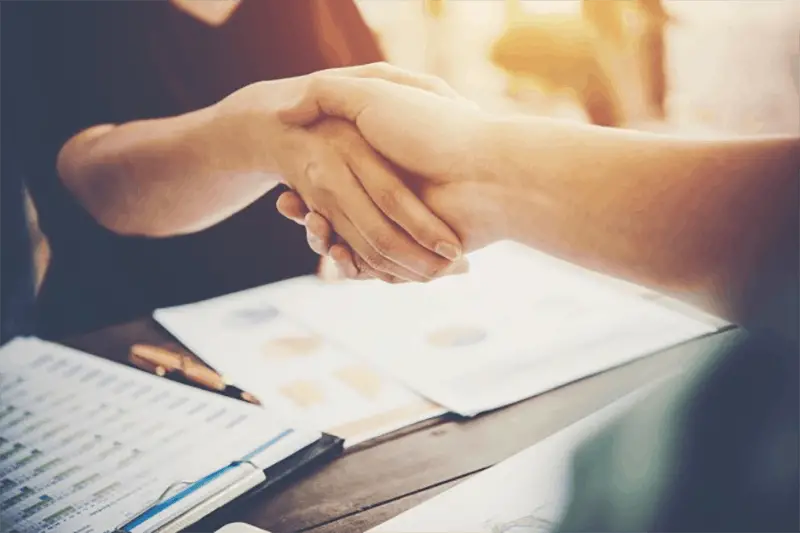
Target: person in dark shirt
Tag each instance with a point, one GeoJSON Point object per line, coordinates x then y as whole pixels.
{"type": "Point", "coordinates": [146, 137]}
{"type": "Point", "coordinates": [714, 222]}
{"type": "Point", "coordinates": [16, 269]}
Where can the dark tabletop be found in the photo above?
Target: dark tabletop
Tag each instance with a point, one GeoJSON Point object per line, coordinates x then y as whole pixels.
{"type": "Point", "coordinates": [377, 480]}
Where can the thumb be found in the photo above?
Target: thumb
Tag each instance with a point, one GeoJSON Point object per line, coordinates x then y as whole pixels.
{"type": "Point", "coordinates": [327, 95]}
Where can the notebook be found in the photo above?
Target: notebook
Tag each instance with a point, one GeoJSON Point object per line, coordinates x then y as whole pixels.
{"type": "Point", "coordinates": [93, 446]}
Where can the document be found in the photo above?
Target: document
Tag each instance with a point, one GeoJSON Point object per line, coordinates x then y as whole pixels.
{"type": "Point", "coordinates": [519, 324]}
{"type": "Point", "coordinates": [292, 369]}
{"type": "Point", "coordinates": [86, 444]}
{"type": "Point", "coordinates": [527, 493]}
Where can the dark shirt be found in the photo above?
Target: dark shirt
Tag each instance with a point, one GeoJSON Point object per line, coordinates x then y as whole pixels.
{"type": "Point", "coordinates": [16, 272]}
{"type": "Point", "coordinates": [114, 62]}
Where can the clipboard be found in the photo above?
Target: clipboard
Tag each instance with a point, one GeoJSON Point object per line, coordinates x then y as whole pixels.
{"type": "Point", "coordinates": [93, 445]}
{"type": "Point", "coordinates": [249, 485]}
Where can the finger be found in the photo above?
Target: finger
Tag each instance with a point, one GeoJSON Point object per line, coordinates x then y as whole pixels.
{"type": "Point", "coordinates": [427, 245]}
{"type": "Point", "coordinates": [376, 263]}
{"type": "Point", "coordinates": [402, 206]}
{"type": "Point", "coordinates": [394, 74]}
{"type": "Point", "coordinates": [367, 272]}
{"type": "Point", "coordinates": [291, 206]}
{"type": "Point", "coordinates": [344, 96]}
{"type": "Point", "coordinates": [328, 93]}
{"type": "Point", "coordinates": [318, 233]}
{"type": "Point", "coordinates": [334, 96]}
{"type": "Point", "coordinates": [459, 267]}
{"type": "Point", "coordinates": [344, 257]}
{"type": "Point", "coordinates": [328, 270]}
{"type": "Point", "coordinates": [356, 268]}
{"type": "Point", "coordinates": [388, 72]}
{"type": "Point", "coordinates": [341, 255]}
{"type": "Point", "coordinates": [341, 199]}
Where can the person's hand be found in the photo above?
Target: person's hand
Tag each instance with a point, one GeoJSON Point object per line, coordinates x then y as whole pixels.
{"type": "Point", "coordinates": [337, 258]}
{"type": "Point", "coordinates": [346, 182]}
{"type": "Point", "coordinates": [431, 134]}
{"type": "Point", "coordinates": [343, 138]}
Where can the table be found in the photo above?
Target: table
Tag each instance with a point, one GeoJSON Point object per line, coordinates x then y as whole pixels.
{"type": "Point", "coordinates": [380, 479]}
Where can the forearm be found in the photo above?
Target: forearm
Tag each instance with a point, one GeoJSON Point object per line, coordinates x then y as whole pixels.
{"type": "Point", "coordinates": [165, 176]}
{"type": "Point", "coordinates": [688, 217]}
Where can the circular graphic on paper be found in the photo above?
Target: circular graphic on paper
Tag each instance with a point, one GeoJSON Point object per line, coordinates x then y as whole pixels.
{"type": "Point", "coordinates": [457, 336]}
{"type": "Point", "coordinates": [252, 316]}
{"type": "Point", "coordinates": [297, 346]}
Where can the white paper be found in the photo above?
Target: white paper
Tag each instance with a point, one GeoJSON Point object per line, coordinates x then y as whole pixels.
{"type": "Point", "coordinates": [527, 493]}
{"type": "Point", "coordinates": [291, 369]}
{"type": "Point", "coordinates": [86, 443]}
{"type": "Point", "coordinates": [519, 324]}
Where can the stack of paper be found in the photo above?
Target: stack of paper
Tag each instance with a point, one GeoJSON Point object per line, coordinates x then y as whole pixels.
{"type": "Point", "coordinates": [519, 324]}
{"type": "Point", "coordinates": [291, 369]}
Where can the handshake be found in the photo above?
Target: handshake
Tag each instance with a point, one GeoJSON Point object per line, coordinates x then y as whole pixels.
{"type": "Point", "coordinates": [383, 165]}
{"type": "Point", "coordinates": [396, 177]}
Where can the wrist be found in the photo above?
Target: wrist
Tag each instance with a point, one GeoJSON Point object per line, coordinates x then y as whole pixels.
{"type": "Point", "coordinates": [245, 130]}
{"type": "Point", "coordinates": [495, 178]}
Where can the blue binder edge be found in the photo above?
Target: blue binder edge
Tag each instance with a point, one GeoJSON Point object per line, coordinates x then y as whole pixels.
{"type": "Point", "coordinates": [279, 478]}
{"type": "Point", "coordinates": [326, 448]}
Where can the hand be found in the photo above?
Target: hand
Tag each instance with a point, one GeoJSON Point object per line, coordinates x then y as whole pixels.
{"type": "Point", "coordinates": [385, 223]}
{"type": "Point", "coordinates": [338, 260]}
{"type": "Point", "coordinates": [422, 132]}
{"type": "Point", "coordinates": [369, 167]}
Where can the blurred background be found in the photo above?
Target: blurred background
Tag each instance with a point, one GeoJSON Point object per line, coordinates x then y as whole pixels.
{"type": "Point", "coordinates": [730, 66]}
{"type": "Point", "coordinates": [693, 67]}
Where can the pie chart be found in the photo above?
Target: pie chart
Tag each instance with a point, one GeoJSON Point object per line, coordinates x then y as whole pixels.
{"type": "Point", "coordinates": [457, 336]}
{"type": "Point", "coordinates": [293, 346]}
{"type": "Point", "coordinates": [252, 316]}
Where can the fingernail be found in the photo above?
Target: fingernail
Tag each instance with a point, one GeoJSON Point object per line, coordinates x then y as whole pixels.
{"type": "Point", "coordinates": [458, 267]}
{"type": "Point", "coordinates": [448, 251]}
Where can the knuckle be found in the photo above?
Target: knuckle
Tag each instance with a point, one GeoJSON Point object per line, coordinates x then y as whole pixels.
{"type": "Point", "coordinates": [322, 193]}
{"type": "Point", "coordinates": [313, 173]}
{"type": "Point", "coordinates": [375, 260]}
{"type": "Point", "coordinates": [386, 199]}
{"type": "Point", "coordinates": [385, 242]}
{"type": "Point", "coordinates": [340, 134]}
{"type": "Point", "coordinates": [317, 224]}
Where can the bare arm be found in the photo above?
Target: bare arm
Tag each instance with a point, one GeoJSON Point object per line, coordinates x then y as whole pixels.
{"type": "Point", "coordinates": [182, 174]}
{"type": "Point", "coordinates": [164, 176]}
{"type": "Point", "coordinates": [689, 217]}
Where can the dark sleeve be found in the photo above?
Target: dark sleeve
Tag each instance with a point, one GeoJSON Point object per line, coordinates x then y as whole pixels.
{"type": "Point", "coordinates": [718, 453]}
{"type": "Point", "coordinates": [16, 264]}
